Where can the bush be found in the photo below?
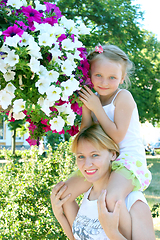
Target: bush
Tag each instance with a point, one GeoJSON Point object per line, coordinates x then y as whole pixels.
{"type": "Point", "coordinates": [25, 188]}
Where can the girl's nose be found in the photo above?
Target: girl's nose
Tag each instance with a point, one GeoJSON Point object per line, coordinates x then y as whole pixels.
{"type": "Point", "coordinates": [104, 82]}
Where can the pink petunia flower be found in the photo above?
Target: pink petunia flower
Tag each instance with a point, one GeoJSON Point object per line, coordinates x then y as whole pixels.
{"type": "Point", "coordinates": [74, 130]}
{"type": "Point", "coordinates": [32, 142]}
{"type": "Point", "coordinates": [75, 107]}
{"type": "Point", "coordinates": [12, 31]}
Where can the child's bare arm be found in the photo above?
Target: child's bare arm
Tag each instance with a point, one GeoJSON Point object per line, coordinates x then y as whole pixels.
{"type": "Point", "coordinates": [86, 117]}
{"type": "Point", "coordinates": [76, 185]}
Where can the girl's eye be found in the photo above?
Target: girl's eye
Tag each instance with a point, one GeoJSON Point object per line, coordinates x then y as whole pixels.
{"type": "Point", "coordinates": [98, 75]}
{"type": "Point", "coordinates": [112, 77]}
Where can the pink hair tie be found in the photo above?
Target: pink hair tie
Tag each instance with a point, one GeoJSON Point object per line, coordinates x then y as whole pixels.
{"type": "Point", "coordinates": [98, 49]}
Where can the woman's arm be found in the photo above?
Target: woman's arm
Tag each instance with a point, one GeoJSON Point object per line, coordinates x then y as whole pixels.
{"type": "Point", "coordinates": [142, 224]}
{"type": "Point", "coordinates": [124, 105]}
{"type": "Point", "coordinates": [57, 207]}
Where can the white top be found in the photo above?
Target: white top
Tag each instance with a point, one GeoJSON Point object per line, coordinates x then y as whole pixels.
{"type": "Point", "coordinates": [132, 143]}
{"type": "Point", "coordinates": [86, 225]}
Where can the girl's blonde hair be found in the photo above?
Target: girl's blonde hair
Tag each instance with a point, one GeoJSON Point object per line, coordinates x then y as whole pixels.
{"type": "Point", "coordinates": [114, 53]}
{"type": "Point", "coordinates": [95, 135]}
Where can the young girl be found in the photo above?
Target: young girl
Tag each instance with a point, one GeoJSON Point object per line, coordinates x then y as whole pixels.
{"type": "Point", "coordinates": [116, 111]}
{"type": "Point", "coordinates": [95, 152]}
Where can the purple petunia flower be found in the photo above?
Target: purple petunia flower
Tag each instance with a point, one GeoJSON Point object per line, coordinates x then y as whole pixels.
{"type": "Point", "coordinates": [32, 14]}
{"type": "Point", "coordinates": [12, 31]}
{"type": "Point", "coordinates": [21, 24]}
{"type": "Point", "coordinates": [52, 7]}
{"type": "Point", "coordinates": [50, 20]}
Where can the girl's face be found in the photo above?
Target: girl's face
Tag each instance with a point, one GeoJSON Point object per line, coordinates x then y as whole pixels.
{"type": "Point", "coordinates": [93, 163]}
{"type": "Point", "coordinates": [106, 75]}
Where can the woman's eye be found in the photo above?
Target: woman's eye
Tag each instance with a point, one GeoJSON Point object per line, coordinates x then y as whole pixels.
{"type": "Point", "coordinates": [95, 155]}
{"type": "Point", "coordinates": [80, 157]}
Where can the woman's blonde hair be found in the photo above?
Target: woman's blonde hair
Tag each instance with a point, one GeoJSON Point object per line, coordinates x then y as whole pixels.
{"type": "Point", "coordinates": [114, 53]}
{"type": "Point", "coordinates": [95, 135]}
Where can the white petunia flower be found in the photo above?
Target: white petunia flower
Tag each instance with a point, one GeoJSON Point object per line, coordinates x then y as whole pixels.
{"type": "Point", "coordinates": [53, 93]}
{"type": "Point", "coordinates": [83, 29]}
{"type": "Point", "coordinates": [55, 54]}
{"type": "Point", "coordinates": [67, 23]}
{"type": "Point", "coordinates": [77, 43]}
{"type": "Point", "coordinates": [58, 30]}
{"type": "Point", "coordinates": [52, 76]}
{"type": "Point", "coordinates": [67, 67]}
{"type": "Point", "coordinates": [42, 72]}
{"type": "Point", "coordinates": [15, 3]}
{"type": "Point", "coordinates": [3, 66]}
{"type": "Point", "coordinates": [68, 90]}
{"type": "Point", "coordinates": [45, 107]}
{"type": "Point", "coordinates": [57, 123]}
{"type": "Point", "coordinates": [39, 6]}
{"type": "Point", "coordinates": [67, 44]}
{"type": "Point", "coordinates": [13, 41]}
{"type": "Point", "coordinates": [34, 65]}
{"type": "Point", "coordinates": [18, 105]}
{"type": "Point", "coordinates": [5, 98]}
{"type": "Point", "coordinates": [9, 75]}
{"type": "Point", "coordinates": [10, 87]}
{"type": "Point", "coordinates": [34, 49]}
{"type": "Point", "coordinates": [19, 115]}
{"type": "Point", "coordinates": [42, 85]}
{"type": "Point", "coordinates": [46, 40]}
{"type": "Point", "coordinates": [70, 118]}
{"type": "Point", "coordinates": [26, 39]}
{"type": "Point", "coordinates": [12, 58]}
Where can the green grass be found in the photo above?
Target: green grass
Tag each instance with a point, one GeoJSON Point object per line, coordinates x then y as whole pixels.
{"type": "Point", "coordinates": [152, 193]}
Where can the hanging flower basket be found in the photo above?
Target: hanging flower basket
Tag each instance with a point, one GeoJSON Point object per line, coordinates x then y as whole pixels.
{"type": "Point", "coordinates": [42, 66]}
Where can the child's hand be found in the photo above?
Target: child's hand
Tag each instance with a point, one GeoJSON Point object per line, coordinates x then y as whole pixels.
{"type": "Point", "coordinates": [90, 100]}
{"type": "Point", "coordinates": [108, 220]}
{"type": "Point", "coordinates": [57, 202]}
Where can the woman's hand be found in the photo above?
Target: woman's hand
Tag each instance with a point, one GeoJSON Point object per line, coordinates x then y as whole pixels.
{"type": "Point", "coordinates": [109, 220]}
{"type": "Point", "coordinates": [56, 200]}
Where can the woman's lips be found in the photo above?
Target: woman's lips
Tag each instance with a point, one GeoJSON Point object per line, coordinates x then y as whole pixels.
{"type": "Point", "coordinates": [90, 172]}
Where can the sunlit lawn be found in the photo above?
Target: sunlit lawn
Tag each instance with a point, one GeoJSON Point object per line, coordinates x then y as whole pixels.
{"type": "Point", "coordinates": [152, 194]}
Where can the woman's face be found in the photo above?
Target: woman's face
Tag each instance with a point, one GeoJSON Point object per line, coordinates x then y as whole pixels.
{"type": "Point", "coordinates": [92, 162]}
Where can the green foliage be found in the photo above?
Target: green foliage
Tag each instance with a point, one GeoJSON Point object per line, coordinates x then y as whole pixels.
{"type": "Point", "coordinates": [155, 210]}
{"type": "Point", "coordinates": [25, 188]}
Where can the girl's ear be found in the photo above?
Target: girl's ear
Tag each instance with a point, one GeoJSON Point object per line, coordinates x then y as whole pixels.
{"type": "Point", "coordinates": [122, 80]}
{"type": "Point", "coordinates": [113, 155]}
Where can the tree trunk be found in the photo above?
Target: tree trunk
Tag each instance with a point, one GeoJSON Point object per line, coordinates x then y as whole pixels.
{"type": "Point", "coordinates": [14, 141]}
